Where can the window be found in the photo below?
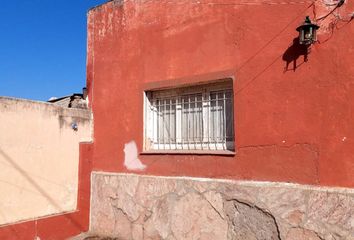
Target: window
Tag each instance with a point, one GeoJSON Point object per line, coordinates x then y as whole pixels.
{"type": "Point", "coordinates": [198, 117]}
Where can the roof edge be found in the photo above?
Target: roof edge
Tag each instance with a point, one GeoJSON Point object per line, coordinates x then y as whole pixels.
{"type": "Point", "coordinates": [102, 4]}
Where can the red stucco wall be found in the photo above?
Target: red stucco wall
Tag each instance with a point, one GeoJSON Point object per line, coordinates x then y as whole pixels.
{"type": "Point", "coordinates": [291, 126]}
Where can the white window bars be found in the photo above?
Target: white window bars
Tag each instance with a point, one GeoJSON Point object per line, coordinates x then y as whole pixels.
{"type": "Point", "coordinates": [193, 118]}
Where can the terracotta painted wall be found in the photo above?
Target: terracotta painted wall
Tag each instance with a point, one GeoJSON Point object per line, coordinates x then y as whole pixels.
{"type": "Point", "coordinates": [39, 159]}
{"type": "Point", "coordinates": [291, 125]}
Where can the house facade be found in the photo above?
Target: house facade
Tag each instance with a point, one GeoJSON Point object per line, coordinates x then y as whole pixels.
{"type": "Point", "coordinates": [292, 114]}
{"type": "Point", "coordinates": [211, 121]}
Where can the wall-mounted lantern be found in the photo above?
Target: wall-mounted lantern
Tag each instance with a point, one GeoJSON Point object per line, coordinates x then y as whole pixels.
{"type": "Point", "coordinates": [307, 32]}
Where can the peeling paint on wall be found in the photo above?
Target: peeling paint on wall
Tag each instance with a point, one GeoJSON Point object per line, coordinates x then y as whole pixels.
{"type": "Point", "coordinates": [131, 160]}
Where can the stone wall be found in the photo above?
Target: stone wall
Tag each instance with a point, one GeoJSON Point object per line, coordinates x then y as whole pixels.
{"type": "Point", "coordinates": [39, 158]}
{"type": "Point", "coordinates": [175, 208]}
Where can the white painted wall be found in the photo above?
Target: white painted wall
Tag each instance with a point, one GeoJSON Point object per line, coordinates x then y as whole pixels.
{"type": "Point", "coordinates": [39, 158]}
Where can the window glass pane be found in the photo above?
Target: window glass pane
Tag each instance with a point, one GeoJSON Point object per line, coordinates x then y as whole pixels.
{"type": "Point", "coordinates": [229, 118]}
{"type": "Point", "coordinates": [217, 117]}
{"type": "Point", "coordinates": [166, 122]}
{"type": "Point", "coordinates": [192, 121]}
{"type": "Point", "coordinates": [221, 118]}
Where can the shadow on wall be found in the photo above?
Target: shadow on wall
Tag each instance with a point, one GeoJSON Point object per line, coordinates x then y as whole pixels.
{"type": "Point", "coordinates": [293, 53]}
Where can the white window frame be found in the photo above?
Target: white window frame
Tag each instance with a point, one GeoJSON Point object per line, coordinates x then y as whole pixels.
{"type": "Point", "coordinates": [150, 118]}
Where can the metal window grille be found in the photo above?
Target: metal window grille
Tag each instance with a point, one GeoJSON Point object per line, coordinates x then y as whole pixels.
{"type": "Point", "coordinates": [191, 121]}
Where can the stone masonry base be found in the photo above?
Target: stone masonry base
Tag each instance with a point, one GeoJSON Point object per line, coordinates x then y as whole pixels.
{"type": "Point", "coordinates": [135, 207]}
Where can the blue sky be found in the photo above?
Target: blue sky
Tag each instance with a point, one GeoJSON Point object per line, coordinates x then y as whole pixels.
{"type": "Point", "coordinates": [43, 47]}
